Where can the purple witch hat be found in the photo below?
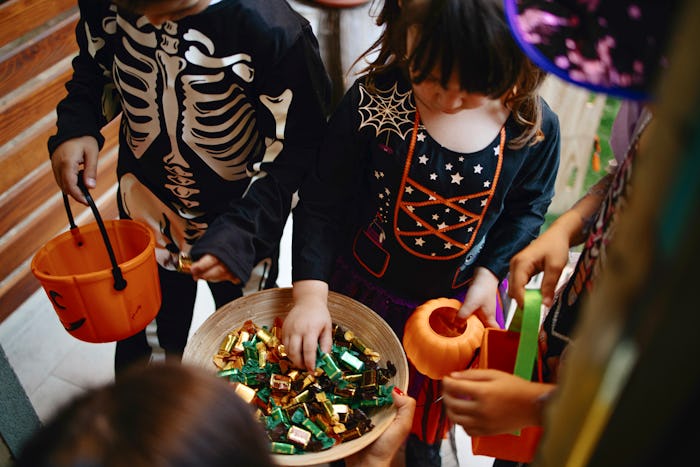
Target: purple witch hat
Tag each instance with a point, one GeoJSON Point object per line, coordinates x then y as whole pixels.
{"type": "Point", "coordinates": [615, 47]}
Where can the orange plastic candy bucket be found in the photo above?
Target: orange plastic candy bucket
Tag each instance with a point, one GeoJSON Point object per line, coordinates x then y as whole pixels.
{"type": "Point", "coordinates": [513, 351]}
{"type": "Point", "coordinates": [102, 278]}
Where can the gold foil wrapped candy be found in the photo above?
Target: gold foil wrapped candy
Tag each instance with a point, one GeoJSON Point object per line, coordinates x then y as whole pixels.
{"type": "Point", "coordinates": [184, 262]}
{"type": "Point", "coordinates": [305, 411]}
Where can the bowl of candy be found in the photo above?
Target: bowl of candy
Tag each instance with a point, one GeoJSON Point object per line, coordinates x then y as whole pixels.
{"type": "Point", "coordinates": [311, 417]}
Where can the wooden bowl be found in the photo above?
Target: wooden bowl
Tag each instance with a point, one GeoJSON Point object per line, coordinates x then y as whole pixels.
{"type": "Point", "coordinates": [262, 308]}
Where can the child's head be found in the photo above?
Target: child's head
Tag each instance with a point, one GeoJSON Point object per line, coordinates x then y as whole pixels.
{"type": "Point", "coordinates": [467, 39]}
{"type": "Point", "coordinates": [160, 11]}
{"type": "Point", "coordinates": [156, 416]}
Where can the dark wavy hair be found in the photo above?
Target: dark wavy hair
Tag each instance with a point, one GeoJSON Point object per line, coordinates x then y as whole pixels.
{"type": "Point", "coordinates": [470, 37]}
{"type": "Point", "coordinates": [165, 415]}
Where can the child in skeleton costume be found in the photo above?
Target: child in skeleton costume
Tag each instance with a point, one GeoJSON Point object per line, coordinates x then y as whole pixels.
{"type": "Point", "coordinates": [438, 166]}
{"type": "Point", "coordinates": [222, 104]}
{"type": "Point", "coordinates": [621, 56]}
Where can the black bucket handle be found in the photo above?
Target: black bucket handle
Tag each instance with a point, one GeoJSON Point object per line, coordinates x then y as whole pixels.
{"type": "Point", "coordinates": [119, 281]}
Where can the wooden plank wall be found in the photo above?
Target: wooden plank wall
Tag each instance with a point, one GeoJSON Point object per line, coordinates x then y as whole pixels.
{"type": "Point", "coordinates": [37, 43]}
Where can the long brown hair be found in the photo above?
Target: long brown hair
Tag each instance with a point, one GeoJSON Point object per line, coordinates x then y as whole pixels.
{"type": "Point", "coordinates": [469, 36]}
{"type": "Point", "coordinates": [164, 415]}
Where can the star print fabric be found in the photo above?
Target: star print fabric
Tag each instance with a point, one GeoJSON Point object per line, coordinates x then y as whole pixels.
{"type": "Point", "coordinates": [440, 209]}
{"type": "Point", "coordinates": [417, 223]}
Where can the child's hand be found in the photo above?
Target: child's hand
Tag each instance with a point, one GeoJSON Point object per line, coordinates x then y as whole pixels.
{"type": "Point", "coordinates": [69, 158]}
{"type": "Point", "coordinates": [211, 269]}
{"type": "Point", "coordinates": [489, 402]}
{"type": "Point", "coordinates": [308, 324]}
{"type": "Point", "coordinates": [481, 298]}
{"type": "Point", "coordinates": [548, 253]}
{"type": "Point", "coordinates": [381, 452]}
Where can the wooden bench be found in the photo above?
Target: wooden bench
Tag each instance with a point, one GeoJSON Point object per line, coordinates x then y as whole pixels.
{"type": "Point", "coordinates": [37, 44]}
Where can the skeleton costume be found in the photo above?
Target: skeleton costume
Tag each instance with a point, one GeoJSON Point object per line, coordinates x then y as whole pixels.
{"type": "Point", "coordinates": [416, 218]}
{"type": "Point", "coordinates": [221, 115]}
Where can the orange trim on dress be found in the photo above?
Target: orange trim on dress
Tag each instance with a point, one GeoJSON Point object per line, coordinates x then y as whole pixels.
{"type": "Point", "coordinates": [379, 246]}
{"type": "Point", "coordinates": [437, 199]}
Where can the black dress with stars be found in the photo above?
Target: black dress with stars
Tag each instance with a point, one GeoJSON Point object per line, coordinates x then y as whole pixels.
{"type": "Point", "coordinates": [419, 225]}
{"type": "Point", "coordinates": [393, 219]}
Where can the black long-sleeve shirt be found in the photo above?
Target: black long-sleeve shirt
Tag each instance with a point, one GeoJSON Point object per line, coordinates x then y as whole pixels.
{"type": "Point", "coordinates": [222, 113]}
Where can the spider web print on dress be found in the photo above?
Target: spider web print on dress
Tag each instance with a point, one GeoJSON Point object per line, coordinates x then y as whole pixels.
{"type": "Point", "coordinates": [386, 111]}
{"type": "Point", "coordinates": [412, 209]}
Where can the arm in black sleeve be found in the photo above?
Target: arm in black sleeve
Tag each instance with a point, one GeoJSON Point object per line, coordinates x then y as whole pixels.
{"type": "Point", "coordinates": [527, 201]}
{"type": "Point", "coordinates": [91, 101]}
{"type": "Point", "coordinates": [252, 226]}
{"type": "Point", "coordinates": [327, 196]}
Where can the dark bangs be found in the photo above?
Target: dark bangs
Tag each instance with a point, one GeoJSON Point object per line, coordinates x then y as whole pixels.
{"type": "Point", "coordinates": [471, 38]}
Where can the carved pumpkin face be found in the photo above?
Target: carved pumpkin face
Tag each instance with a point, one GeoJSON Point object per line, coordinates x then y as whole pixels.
{"type": "Point", "coordinates": [435, 344]}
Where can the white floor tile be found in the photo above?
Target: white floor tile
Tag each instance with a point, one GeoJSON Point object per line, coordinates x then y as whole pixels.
{"type": "Point", "coordinates": [34, 341]}
{"type": "Point", "coordinates": [448, 456]}
{"type": "Point", "coordinates": [464, 451]}
{"type": "Point", "coordinates": [12, 325]}
{"type": "Point", "coordinates": [37, 306]}
{"type": "Point", "coordinates": [87, 365]}
{"type": "Point", "coordinates": [203, 306]}
{"type": "Point", "coordinates": [52, 394]}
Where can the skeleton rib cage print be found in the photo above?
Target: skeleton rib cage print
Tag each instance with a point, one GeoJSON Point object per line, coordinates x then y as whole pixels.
{"type": "Point", "coordinates": [192, 121]}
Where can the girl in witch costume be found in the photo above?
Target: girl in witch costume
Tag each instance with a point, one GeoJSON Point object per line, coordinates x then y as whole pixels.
{"type": "Point", "coordinates": [439, 164]}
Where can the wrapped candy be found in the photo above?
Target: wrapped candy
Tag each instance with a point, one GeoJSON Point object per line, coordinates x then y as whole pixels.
{"type": "Point", "coordinates": [305, 411]}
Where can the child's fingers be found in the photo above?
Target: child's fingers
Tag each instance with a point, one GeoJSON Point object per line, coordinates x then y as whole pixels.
{"type": "Point", "coordinates": [472, 374]}
{"type": "Point", "coordinates": [326, 340]}
{"type": "Point", "coordinates": [488, 319]}
{"type": "Point", "coordinates": [549, 284]}
{"type": "Point", "coordinates": [459, 410]}
{"type": "Point", "coordinates": [309, 347]}
{"type": "Point", "coordinates": [90, 176]}
{"type": "Point", "coordinates": [516, 287]}
{"type": "Point", "coordinates": [406, 407]}
{"type": "Point", "coordinates": [294, 351]}
{"type": "Point", "coordinates": [203, 268]}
